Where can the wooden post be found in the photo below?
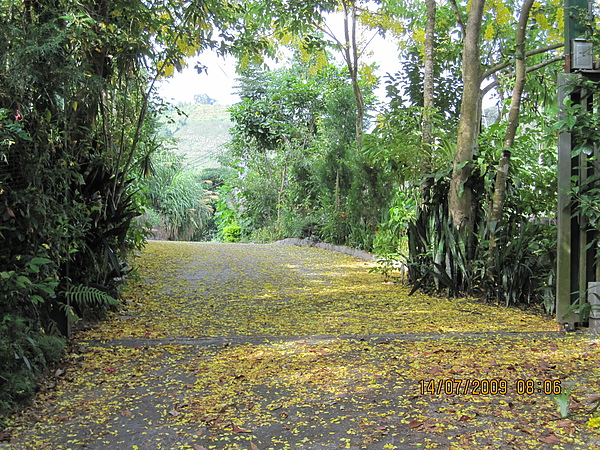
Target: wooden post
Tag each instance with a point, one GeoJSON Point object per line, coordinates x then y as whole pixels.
{"type": "Point", "coordinates": [576, 260]}
{"type": "Point", "coordinates": [565, 285]}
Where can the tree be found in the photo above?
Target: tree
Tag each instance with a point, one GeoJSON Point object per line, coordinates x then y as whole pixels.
{"type": "Point", "coordinates": [461, 206]}
{"type": "Point", "coordinates": [305, 27]}
{"type": "Point", "coordinates": [274, 125]}
{"type": "Point", "coordinates": [428, 95]}
{"type": "Point", "coordinates": [351, 53]}
{"type": "Point", "coordinates": [460, 200]}
{"type": "Point", "coordinates": [428, 83]}
{"type": "Point", "coordinates": [497, 204]}
{"type": "Point", "coordinates": [453, 257]}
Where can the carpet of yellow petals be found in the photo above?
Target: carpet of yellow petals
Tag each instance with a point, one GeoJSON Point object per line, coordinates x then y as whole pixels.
{"type": "Point", "coordinates": [197, 290]}
{"type": "Point", "coordinates": [232, 346]}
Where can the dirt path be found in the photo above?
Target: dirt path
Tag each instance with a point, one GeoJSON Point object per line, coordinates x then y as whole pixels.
{"type": "Point", "coordinates": [232, 346]}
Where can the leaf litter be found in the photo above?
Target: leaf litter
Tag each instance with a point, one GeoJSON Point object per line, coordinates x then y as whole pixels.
{"type": "Point", "coordinates": [315, 352]}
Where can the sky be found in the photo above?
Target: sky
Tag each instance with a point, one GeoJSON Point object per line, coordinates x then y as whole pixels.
{"type": "Point", "coordinates": [218, 82]}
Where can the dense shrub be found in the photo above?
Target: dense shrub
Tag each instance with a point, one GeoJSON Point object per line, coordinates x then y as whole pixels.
{"type": "Point", "coordinates": [232, 233]}
{"type": "Point", "coordinates": [25, 355]}
{"type": "Point", "coordinates": [72, 134]}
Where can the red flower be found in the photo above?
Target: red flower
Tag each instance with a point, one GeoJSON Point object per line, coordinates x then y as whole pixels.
{"type": "Point", "coordinates": [18, 116]}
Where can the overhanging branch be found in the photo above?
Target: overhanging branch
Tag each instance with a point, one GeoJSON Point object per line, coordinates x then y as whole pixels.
{"type": "Point", "coordinates": [505, 64]}
{"type": "Point", "coordinates": [459, 19]}
{"type": "Point", "coordinates": [541, 65]}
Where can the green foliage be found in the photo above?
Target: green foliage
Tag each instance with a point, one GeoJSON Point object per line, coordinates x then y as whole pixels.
{"type": "Point", "coordinates": [29, 282]}
{"type": "Point", "coordinates": [299, 173]}
{"type": "Point", "coordinates": [87, 298]}
{"type": "Point", "coordinates": [178, 195]}
{"type": "Point", "coordinates": [74, 128]}
{"type": "Point", "coordinates": [291, 225]}
{"type": "Point", "coordinates": [442, 258]}
{"type": "Point", "coordinates": [391, 237]}
{"type": "Point", "coordinates": [275, 127]}
{"type": "Point", "coordinates": [212, 180]}
{"type": "Point", "coordinates": [25, 353]}
{"type": "Point", "coordinates": [525, 259]}
{"type": "Point", "coordinates": [581, 120]}
{"type": "Point", "coordinates": [583, 309]}
{"type": "Point", "coordinates": [389, 265]}
{"type": "Point", "coordinates": [405, 92]}
{"type": "Point", "coordinates": [201, 132]}
{"type": "Point", "coordinates": [226, 212]}
{"type": "Point", "coordinates": [232, 233]}
{"type": "Point", "coordinates": [11, 131]}
{"type": "Point", "coordinates": [532, 188]}
{"type": "Point", "coordinates": [392, 231]}
{"type": "Point", "coordinates": [563, 402]}
{"type": "Point", "coordinates": [439, 253]}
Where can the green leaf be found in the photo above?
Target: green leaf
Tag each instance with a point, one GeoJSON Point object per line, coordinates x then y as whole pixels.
{"type": "Point", "coordinates": [39, 261]}
{"type": "Point", "coordinates": [36, 299]}
{"type": "Point", "coordinates": [86, 295]}
{"type": "Point", "coordinates": [23, 281]}
{"type": "Point", "coordinates": [461, 188]}
{"type": "Point", "coordinates": [26, 361]}
{"type": "Point", "coordinates": [46, 288]}
{"type": "Point", "coordinates": [462, 165]}
{"type": "Point", "coordinates": [568, 122]}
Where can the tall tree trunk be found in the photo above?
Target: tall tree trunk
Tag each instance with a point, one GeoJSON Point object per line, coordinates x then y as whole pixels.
{"type": "Point", "coordinates": [497, 207]}
{"type": "Point", "coordinates": [281, 189]}
{"type": "Point", "coordinates": [461, 196]}
{"type": "Point", "coordinates": [348, 46]}
{"type": "Point", "coordinates": [428, 95]}
{"type": "Point", "coordinates": [351, 56]}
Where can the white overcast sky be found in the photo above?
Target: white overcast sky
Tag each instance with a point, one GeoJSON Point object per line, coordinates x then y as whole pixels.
{"type": "Point", "coordinates": [219, 82]}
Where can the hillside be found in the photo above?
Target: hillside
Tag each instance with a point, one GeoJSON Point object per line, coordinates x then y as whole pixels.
{"type": "Point", "coordinates": [201, 135]}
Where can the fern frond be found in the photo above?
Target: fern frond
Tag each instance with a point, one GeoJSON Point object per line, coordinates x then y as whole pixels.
{"type": "Point", "coordinates": [89, 296]}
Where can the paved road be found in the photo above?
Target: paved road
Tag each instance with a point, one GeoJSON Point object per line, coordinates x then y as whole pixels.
{"type": "Point", "coordinates": [233, 346]}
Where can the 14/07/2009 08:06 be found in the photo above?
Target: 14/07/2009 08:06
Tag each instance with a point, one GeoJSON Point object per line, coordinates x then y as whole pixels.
{"type": "Point", "coordinates": [489, 387]}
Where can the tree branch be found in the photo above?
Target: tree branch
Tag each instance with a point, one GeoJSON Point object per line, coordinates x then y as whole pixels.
{"type": "Point", "coordinates": [459, 19]}
{"type": "Point", "coordinates": [331, 34]}
{"type": "Point", "coordinates": [541, 65]}
{"type": "Point", "coordinates": [362, 51]}
{"type": "Point", "coordinates": [505, 64]}
{"type": "Point", "coordinates": [537, 51]}
{"type": "Point", "coordinates": [489, 87]}
{"type": "Point", "coordinates": [545, 63]}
